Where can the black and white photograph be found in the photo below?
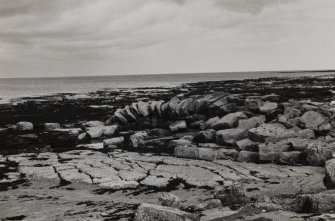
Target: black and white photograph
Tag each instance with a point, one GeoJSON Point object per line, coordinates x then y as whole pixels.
{"type": "Point", "coordinates": [167, 110]}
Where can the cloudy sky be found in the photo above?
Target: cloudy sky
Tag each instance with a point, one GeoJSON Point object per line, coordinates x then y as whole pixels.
{"type": "Point", "coordinates": [113, 37]}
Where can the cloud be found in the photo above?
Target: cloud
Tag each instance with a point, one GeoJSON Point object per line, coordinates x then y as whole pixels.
{"type": "Point", "coordinates": [119, 35]}
{"type": "Point", "coordinates": [253, 7]}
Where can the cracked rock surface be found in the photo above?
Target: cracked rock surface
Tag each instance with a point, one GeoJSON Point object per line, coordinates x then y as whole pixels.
{"type": "Point", "coordinates": [69, 185]}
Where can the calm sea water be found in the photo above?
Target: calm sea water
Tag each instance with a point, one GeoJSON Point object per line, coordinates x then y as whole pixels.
{"type": "Point", "coordinates": [22, 87]}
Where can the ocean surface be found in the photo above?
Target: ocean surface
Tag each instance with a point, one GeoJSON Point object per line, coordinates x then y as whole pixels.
{"type": "Point", "coordinates": [27, 87]}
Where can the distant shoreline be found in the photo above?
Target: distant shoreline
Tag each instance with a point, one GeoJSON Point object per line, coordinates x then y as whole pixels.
{"type": "Point", "coordinates": [13, 88]}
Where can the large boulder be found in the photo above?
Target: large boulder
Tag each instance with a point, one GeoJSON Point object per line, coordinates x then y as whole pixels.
{"type": "Point", "coordinates": [83, 137]}
{"type": "Point", "coordinates": [181, 109]}
{"type": "Point", "coordinates": [95, 132]}
{"type": "Point", "coordinates": [268, 107]}
{"type": "Point", "coordinates": [270, 132]}
{"type": "Point", "coordinates": [231, 136]}
{"type": "Point", "coordinates": [113, 141]}
{"type": "Point", "coordinates": [63, 137]}
{"type": "Point", "coordinates": [291, 117]}
{"type": "Point", "coordinates": [306, 133]}
{"type": "Point", "coordinates": [156, 107]}
{"type": "Point", "coordinates": [291, 157]}
{"type": "Point", "coordinates": [299, 144]}
{"type": "Point", "coordinates": [51, 126]}
{"type": "Point", "coordinates": [227, 108]}
{"type": "Point", "coordinates": [172, 106]}
{"type": "Point", "coordinates": [110, 130]}
{"type": "Point", "coordinates": [150, 212]}
{"type": "Point", "coordinates": [251, 122]}
{"type": "Point", "coordinates": [132, 115]}
{"type": "Point", "coordinates": [215, 106]}
{"type": "Point", "coordinates": [330, 174]}
{"type": "Point", "coordinates": [253, 104]}
{"type": "Point", "coordinates": [207, 136]}
{"type": "Point", "coordinates": [119, 117]}
{"type": "Point", "coordinates": [207, 154]}
{"type": "Point", "coordinates": [216, 100]}
{"type": "Point", "coordinates": [227, 154]}
{"type": "Point", "coordinates": [216, 96]}
{"type": "Point", "coordinates": [317, 154]}
{"type": "Point", "coordinates": [178, 126]}
{"type": "Point", "coordinates": [24, 126]}
{"type": "Point", "coordinates": [133, 108]}
{"type": "Point", "coordinates": [289, 123]}
{"type": "Point", "coordinates": [143, 108]}
{"type": "Point", "coordinates": [247, 144]}
{"type": "Point", "coordinates": [137, 139]}
{"type": "Point", "coordinates": [190, 107]}
{"type": "Point", "coordinates": [187, 151]}
{"type": "Point", "coordinates": [200, 106]}
{"type": "Point", "coordinates": [270, 152]}
{"type": "Point", "coordinates": [164, 107]}
{"type": "Point", "coordinates": [229, 121]}
{"type": "Point", "coordinates": [291, 112]}
{"type": "Point", "coordinates": [314, 120]}
{"type": "Point", "coordinates": [248, 156]}
{"type": "Point", "coordinates": [211, 121]}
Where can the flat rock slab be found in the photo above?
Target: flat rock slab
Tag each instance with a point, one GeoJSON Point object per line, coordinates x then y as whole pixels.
{"type": "Point", "coordinates": [126, 174]}
{"type": "Point", "coordinates": [273, 132]}
{"type": "Point", "coordinates": [124, 170]}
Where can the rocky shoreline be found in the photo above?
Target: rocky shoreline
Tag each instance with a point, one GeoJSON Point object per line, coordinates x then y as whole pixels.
{"type": "Point", "coordinates": [260, 149]}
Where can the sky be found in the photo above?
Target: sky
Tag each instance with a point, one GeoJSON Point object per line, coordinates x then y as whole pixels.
{"type": "Point", "coordinates": [115, 37]}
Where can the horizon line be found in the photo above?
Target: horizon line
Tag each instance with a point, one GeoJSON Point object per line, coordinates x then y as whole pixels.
{"type": "Point", "coordinates": [181, 73]}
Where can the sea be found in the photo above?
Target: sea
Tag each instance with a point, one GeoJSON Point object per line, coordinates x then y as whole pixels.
{"type": "Point", "coordinates": [11, 88]}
